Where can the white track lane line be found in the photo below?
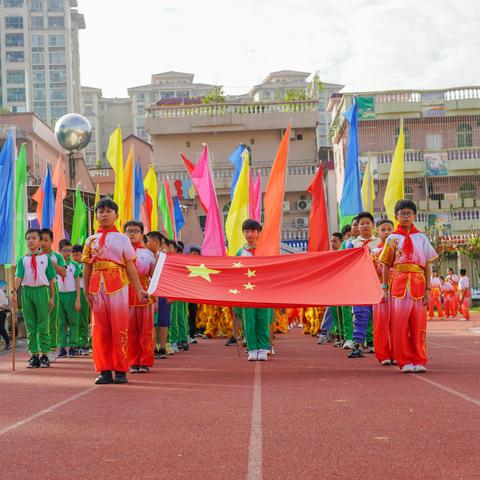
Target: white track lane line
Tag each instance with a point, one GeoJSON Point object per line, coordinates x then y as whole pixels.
{"type": "Point", "coordinates": [255, 444]}
{"type": "Point", "coordinates": [451, 347]}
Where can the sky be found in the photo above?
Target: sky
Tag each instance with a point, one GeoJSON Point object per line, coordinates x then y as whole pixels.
{"type": "Point", "coordinates": [366, 45]}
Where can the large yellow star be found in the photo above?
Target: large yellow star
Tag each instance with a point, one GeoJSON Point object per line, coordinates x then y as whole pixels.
{"type": "Point", "coordinates": [234, 291]}
{"type": "Point", "coordinates": [238, 265]}
{"type": "Point", "coordinates": [249, 286]}
{"type": "Point", "coordinates": [202, 271]}
{"type": "Point", "coordinates": [251, 273]}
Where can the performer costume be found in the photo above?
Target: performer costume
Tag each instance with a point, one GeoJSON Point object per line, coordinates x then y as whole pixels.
{"type": "Point", "coordinates": [435, 297]}
{"type": "Point", "coordinates": [464, 290]}
{"type": "Point", "coordinates": [84, 322]}
{"type": "Point", "coordinates": [408, 253]}
{"type": "Point", "coordinates": [36, 271]}
{"type": "Point", "coordinates": [57, 259]}
{"type": "Point", "coordinates": [107, 252]}
{"type": "Point", "coordinates": [449, 302]}
{"type": "Point", "coordinates": [454, 279]}
{"type": "Point", "coordinates": [68, 317]}
{"type": "Point", "coordinates": [141, 334]}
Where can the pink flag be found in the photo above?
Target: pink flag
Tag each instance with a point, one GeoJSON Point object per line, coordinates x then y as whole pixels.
{"type": "Point", "coordinates": [214, 239]}
{"type": "Point", "coordinates": [255, 205]}
{"type": "Point", "coordinates": [58, 180]}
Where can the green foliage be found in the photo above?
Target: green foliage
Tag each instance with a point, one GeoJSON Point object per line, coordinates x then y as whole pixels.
{"type": "Point", "coordinates": [215, 95]}
{"type": "Point", "coordinates": [316, 86]}
{"type": "Point", "coordinates": [295, 95]}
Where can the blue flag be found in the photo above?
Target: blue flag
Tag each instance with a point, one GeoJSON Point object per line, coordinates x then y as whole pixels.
{"type": "Point", "coordinates": [236, 160]}
{"type": "Point", "coordinates": [179, 221]}
{"type": "Point", "coordinates": [48, 210]}
{"type": "Point", "coordinates": [351, 202]}
{"type": "Point", "coordinates": [138, 191]}
{"type": "Point", "coordinates": [7, 199]}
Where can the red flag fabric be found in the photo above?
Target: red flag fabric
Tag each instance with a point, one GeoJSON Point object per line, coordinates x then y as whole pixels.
{"type": "Point", "coordinates": [190, 168]}
{"type": "Point", "coordinates": [344, 277]}
{"type": "Point", "coordinates": [318, 241]}
{"type": "Point", "coordinates": [58, 180]}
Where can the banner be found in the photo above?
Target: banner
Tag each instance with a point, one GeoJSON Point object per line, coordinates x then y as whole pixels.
{"type": "Point", "coordinates": [366, 108]}
{"type": "Point", "coordinates": [436, 164]}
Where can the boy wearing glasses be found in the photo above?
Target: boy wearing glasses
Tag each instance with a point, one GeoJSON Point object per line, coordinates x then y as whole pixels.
{"type": "Point", "coordinates": [410, 254]}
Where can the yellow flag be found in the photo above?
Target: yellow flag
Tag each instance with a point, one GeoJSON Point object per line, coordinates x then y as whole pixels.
{"type": "Point", "coordinates": [97, 199]}
{"type": "Point", "coordinates": [238, 212]}
{"type": "Point", "coordinates": [128, 200]}
{"type": "Point", "coordinates": [368, 188]}
{"type": "Point", "coordinates": [395, 190]}
{"type": "Point", "coordinates": [115, 158]}
{"type": "Point", "coordinates": [151, 198]}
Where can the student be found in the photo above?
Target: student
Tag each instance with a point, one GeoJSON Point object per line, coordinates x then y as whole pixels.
{"type": "Point", "coordinates": [35, 274]}
{"type": "Point", "coordinates": [193, 307]}
{"type": "Point", "coordinates": [84, 324]}
{"type": "Point", "coordinates": [59, 266]}
{"type": "Point", "coordinates": [141, 333]}
{"type": "Point", "coordinates": [453, 278]}
{"type": "Point", "coordinates": [464, 291]}
{"type": "Point", "coordinates": [109, 265]}
{"type": "Point", "coordinates": [3, 317]}
{"type": "Point", "coordinates": [181, 310]}
{"type": "Point", "coordinates": [435, 296]}
{"type": "Point", "coordinates": [69, 304]}
{"type": "Point", "coordinates": [346, 232]}
{"type": "Point", "coordinates": [363, 315]}
{"type": "Point", "coordinates": [381, 311]}
{"type": "Point", "coordinates": [410, 254]}
{"type": "Point", "coordinates": [448, 293]}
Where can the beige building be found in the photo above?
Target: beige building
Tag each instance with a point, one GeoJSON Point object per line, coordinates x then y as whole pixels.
{"type": "Point", "coordinates": [40, 63]}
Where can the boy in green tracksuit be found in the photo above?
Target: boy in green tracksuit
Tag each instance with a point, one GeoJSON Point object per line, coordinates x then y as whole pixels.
{"type": "Point", "coordinates": [69, 303]}
{"type": "Point", "coordinates": [35, 274]}
{"type": "Point", "coordinates": [84, 325]}
{"type": "Point", "coordinates": [59, 266]}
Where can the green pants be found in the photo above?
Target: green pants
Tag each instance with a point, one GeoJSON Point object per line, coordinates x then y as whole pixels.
{"type": "Point", "coordinates": [257, 327]}
{"type": "Point", "coordinates": [342, 318]}
{"type": "Point", "coordinates": [182, 321]}
{"type": "Point", "coordinates": [369, 336]}
{"type": "Point", "coordinates": [68, 320]}
{"type": "Point", "coordinates": [84, 325]}
{"type": "Point", "coordinates": [53, 322]}
{"type": "Point", "coordinates": [173, 336]}
{"type": "Point", "coordinates": [35, 303]}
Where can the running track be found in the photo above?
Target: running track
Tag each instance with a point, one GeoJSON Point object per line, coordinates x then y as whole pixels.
{"type": "Point", "coordinates": [311, 413]}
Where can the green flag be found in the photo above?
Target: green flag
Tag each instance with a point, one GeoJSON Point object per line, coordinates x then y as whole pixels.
{"type": "Point", "coordinates": [20, 203]}
{"type": "Point", "coordinates": [165, 211]}
{"type": "Point", "coordinates": [79, 226]}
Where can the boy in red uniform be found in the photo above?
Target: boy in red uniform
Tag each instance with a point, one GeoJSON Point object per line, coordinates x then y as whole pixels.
{"type": "Point", "coordinates": [109, 265]}
{"type": "Point", "coordinates": [435, 296]}
{"type": "Point", "coordinates": [410, 254]}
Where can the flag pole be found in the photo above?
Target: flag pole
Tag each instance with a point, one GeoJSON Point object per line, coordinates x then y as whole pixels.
{"type": "Point", "coordinates": [11, 270]}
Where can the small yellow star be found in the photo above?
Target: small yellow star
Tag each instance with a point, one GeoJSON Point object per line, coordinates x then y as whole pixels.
{"type": "Point", "coordinates": [234, 291]}
{"type": "Point", "coordinates": [202, 271]}
{"type": "Point", "coordinates": [251, 273]}
{"type": "Point", "coordinates": [249, 286]}
{"type": "Point", "coordinates": [238, 265]}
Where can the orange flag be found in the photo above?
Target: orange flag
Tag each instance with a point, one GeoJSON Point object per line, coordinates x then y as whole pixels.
{"type": "Point", "coordinates": [129, 181]}
{"type": "Point", "coordinates": [269, 240]}
{"type": "Point", "coordinates": [58, 180]}
{"type": "Point", "coordinates": [318, 241]}
{"type": "Point", "coordinates": [38, 197]}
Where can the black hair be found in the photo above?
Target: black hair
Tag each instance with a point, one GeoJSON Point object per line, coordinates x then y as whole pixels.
{"type": "Point", "coordinates": [156, 236]}
{"type": "Point", "coordinates": [365, 215]}
{"type": "Point", "coordinates": [106, 202]}
{"type": "Point", "coordinates": [442, 277]}
{"type": "Point", "coordinates": [251, 225]}
{"type": "Point", "coordinates": [34, 230]}
{"type": "Point", "coordinates": [133, 223]}
{"type": "Point", "coordinates": [384, 220]}
{"type": "Point", "coordinates": [77, 248]}
{"type": "Point", "coordinates": [47, 231]}
{"type": "Point", "coordinates": [196, 249]}
{"type": "Point", "coordinates": [401, 204]}
{"type": "Point", "coordinates": [145, 239]}
{"type": "Point", "coordinates": [64, 243]}
{"type": "Point", "coordinates": [181, 243]}
{"type": "Point", "coordinates": [172, 242]}
{"type": "Point", "coordinates": [346, 229]}
{"type": "Point", "coordinates": [463, 271]}
{"type": "Point", "coordinates": [355, 219]}
{"type": "Point", "coordinates": [179, 249]}
{"type": "Point", "coordinates": [338, 235]}
{"type": "Point", "coordinates": [434, 270]}
{"type": "Point", "coordinates": [450, 269]}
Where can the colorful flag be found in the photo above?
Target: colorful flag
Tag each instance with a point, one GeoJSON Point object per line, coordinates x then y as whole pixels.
{"type": "Point", "coordinates": [255, 203]}
{"type": "Point", "coordinates": [313, 279]}
{"type": "Point", "coordinates": [238, 212]}
{"type": "Point", "coordinates": [151, 195]}
{"type": "Point", "coordinates": [368, 188]}
{"type": "Point", "coordinates": [319, 240]}
{"type": "Point", "coordinates": [7, 199]}
{"type": "Point", "coordinates": [190, 167]}
{"type": "Point", "coordinates": [179, 220]}
{"type": "Point", "coordinates": [128, 175]}
{"type": "Point", "coordinates": [236, 159]}
{"type": "Point", "coordinates": [139, 192]}
{"type": "Point", "coordinates": [351, 201]}
{"type": "Point", "coordinates": [164, 207]}
{"type": "Point", "coordinates": [79, 224]}
{"type": "Point", "coordinates": [270, 237]}
{"type": "Point", "coordinates": [115, 158]}
{"type": "Point", "coordinates": [48, 206]}
{"type": "Point", "coordinates": [59, 181]}
{"type": "Point", "coordinates": [21, 203]}
{"type": "Point", "coordinates": [395, 190]}
{"type": "Point", "coordinates": [96, 225]}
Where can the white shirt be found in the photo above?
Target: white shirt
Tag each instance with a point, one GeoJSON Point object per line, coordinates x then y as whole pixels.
{"type": "Point", "coordinates": [68, 284]}
{"type": "Point", "coordinates": [3, 299]}
{"type": "Point", "coordinates": [464, 283]}
{"type": "Point", "coordinates": [435, 282]}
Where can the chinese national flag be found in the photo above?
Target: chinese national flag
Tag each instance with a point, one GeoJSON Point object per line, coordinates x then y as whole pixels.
{"type": "Point", "coordinates": [344, 277]}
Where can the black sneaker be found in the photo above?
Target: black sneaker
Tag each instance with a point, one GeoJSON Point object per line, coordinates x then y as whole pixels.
{"type": "Point", "coordinates": [184, 346]}
{"type": "Point", "coordinates": [143, 369]}
{"type": "Point", "coordinates": [357, 352]}
{"type": "Point", "coordinates": [72, 352]}
{"type": "Point", "coordinates": [44, 361]}
{"type": "Point", "coordinates": [34, 362]}
{"type": "Point", "coordinates": [162, 353]}
{"type": "Point", "coordinates": [8, 346]}
{"type": "Point", "coordinates": [231, 342]}
{"type": "Point", "coordinates": [156, 353]}
{"type": "Point", "coordinates": [62, 353]}
{"type": "Point", "coordinates": [120, 377]}
{"type": "Point", "coordinates": [104, 378]}
{"type": "Point", "coordinates": [134, 369]}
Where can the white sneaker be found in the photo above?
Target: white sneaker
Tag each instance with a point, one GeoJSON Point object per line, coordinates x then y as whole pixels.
{"type": "Point", "coordinates": [419, 369]}
{"type": "Point", "coordinates": [52, 356]}
{"type": "Point", "coordinates": [408, 368]}
{"type": "Point", "coordinates": [348, 345]}
{"type": "Point", "coordinates": [253, 356]}
{"type": "Point", "coordinates": [272, 350]}
{"type": "Point", "coordinates": [322, 339]}
{"type": "Point", "coordinates": [384, 363]}
{"type": "Point", "coordinates": [262, 355]}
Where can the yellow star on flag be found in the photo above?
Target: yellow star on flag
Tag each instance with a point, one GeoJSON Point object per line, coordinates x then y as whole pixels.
{"type": "Point", "coordinates": [251, 273]}
{"type": "Point", "coordinates": [202, 271]}
{"type": "Point", "coordinates": [249, 286]}
{"type": "Point", "coordinates": [234, 291]}
{"type": "Point", "coordinates": [238, 265]}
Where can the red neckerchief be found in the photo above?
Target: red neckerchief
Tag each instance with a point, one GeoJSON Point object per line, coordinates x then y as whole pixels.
{"type": "Point", "coordinates": [138, 245]}
{"type": "Point", "coordinates": [101, 241]}
{"type": "Point", "coordinates": [33, 263]}
{"type": "Point", "coordinates": [250, 249]}
{"type": "Point", "coordinates": [407, 244]}
{"type": "Point", "coordinates": [365, 241]}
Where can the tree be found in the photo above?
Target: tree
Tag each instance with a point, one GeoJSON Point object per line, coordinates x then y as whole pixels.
{"type": "Point", "coordinates": [294, 95]}
{"type": "Point", "coordinates": [215, 95]}
{"type": "Point", "coordinates": [315, 87]}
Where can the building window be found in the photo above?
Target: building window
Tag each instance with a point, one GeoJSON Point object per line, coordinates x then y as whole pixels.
{"type": "Point", "coordinates": [140, 97]}
{"type": "Point", "coordinates": [15, 57]}
{"type": "Point", "coordinates": [14, 39]}
{"type": "Point", "coordinates": [464, 135]}
{"type": "Point", "coordinates": [41, 112]}
{"type": "Point", "coordinates": [55, 5]}
{"type": "Point", "coordinates": [16, 76]}
{"type": "Point", "coordinates": [37, 23]}
{"type": "Point", "coordinates": [140, 109]}
{"type": "Point", "coordinates": [37, 40]}
{"type": "Point", "coordinates": [13, 3]}
{"type": "Point", "coordinates": [56, 58]}
{"type": "Point", "coordinates": [39, 94]}
{"type": "Point", "coordinates": [56, 40]}
{"type": "Point", "coordinates": [141, 132]}
{"type": "Point", "coordinates": [16, 95]}
{"type": "Point", "coordinates": [38, 58]}
{"type": "Point", "coordinates": [36, 6]}
{"type": "Point", "coordinates": [56, 22]}
{"type": "Point", "coordinates": [406, 134]}
{"type": "Point", "coordinates": [14, 22]}
{"type": "Point", "coordinates": [89, 110]}
{"type": "Point", "coordinates": [58, 76]}
{"type": "Point", "coordinates": [468, 190]}
{"type": "Point", "coordinates": [408, 192]}
{"type": "Point", "coordinates": [58, 94]}
{"type": "Point", "coordinates": [38, 76]}
{"type": "Point", "coordinates": [59, 111]}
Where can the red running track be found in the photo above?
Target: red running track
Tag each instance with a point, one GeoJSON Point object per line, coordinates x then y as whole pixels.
{"type": "Point", "coordinates": [207, 414]}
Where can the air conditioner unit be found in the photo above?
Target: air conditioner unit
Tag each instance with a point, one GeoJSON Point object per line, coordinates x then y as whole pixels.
{"type": "Point", "coordinates": [286, 206]}
{"type": "Point", "coordinates": [304, 205]}
{"type": "Point", "coordinates": [301, 222]}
